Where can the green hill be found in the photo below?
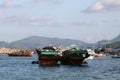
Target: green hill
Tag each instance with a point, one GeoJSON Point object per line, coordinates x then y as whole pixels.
{"type": "Point", "coordinates": [39, 42]}
{"type": "Point", "coordinates": [115, 45]}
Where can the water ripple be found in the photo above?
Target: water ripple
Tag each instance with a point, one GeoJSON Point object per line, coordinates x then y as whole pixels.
{"type": "Point", "coordinates": [20, 68]}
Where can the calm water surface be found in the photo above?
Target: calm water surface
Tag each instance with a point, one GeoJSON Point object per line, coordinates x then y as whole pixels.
{"type": "Point", "coordinates": [20, 68]}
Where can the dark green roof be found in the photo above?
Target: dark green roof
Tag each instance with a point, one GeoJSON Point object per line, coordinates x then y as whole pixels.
{"type": "Point", "coordinates": [79, 51]}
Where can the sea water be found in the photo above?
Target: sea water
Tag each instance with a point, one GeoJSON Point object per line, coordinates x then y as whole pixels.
{"type": "Point", "coordinates": [20, 68]}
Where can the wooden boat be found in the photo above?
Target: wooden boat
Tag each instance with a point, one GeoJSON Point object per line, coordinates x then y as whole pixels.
{"type": "Point", "coordinates": [74, 57]}
{"type": "Point", "coordinates": [100, 55]}
{"type": "Point", "coordinates": [48, 56]}
{"type": "Point", "coordinates": [21, 53]}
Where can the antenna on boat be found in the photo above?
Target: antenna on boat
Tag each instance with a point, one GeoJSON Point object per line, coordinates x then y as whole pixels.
{"type": "Point", "coordinates": [60, 45]}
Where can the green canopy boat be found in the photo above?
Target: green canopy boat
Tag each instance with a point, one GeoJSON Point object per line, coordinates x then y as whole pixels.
{"type": "Point", "coordinates": [74, 57]}
{"type": "Point", "coordinates": [48, 56]}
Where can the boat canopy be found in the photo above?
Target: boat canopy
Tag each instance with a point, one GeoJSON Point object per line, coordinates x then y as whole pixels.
{"type": "Point", "coordinates": [79, 52]}
{"type": "Point", "coordinates": [49, 52]}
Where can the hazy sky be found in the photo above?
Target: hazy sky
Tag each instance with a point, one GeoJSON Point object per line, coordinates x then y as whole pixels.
{"type": "Point", "coordinates": [86, 20]}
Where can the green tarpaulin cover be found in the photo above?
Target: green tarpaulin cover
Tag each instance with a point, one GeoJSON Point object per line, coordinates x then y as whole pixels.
{"type": "Point", "coordinates": [79, 51]}
{"type": "Point", "coordinates": [49, 52]}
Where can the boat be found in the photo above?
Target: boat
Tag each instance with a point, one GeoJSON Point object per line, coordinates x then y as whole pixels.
{"type": "Point", "coordinates": [74, 57]}
{"type": "Point", "coordinates": [100, 55]}
{"type": "Point", "coordinates": [115, 56]}
{"type": "Point", "coordinates": [21, 53]}
{"type": "Point", "coordinates": [48, 56]}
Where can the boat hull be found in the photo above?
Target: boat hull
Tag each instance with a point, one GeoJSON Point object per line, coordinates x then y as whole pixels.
{"type": "Point", "coordinates": [22, 55]}
{"type": "Point", "coordinates": [72, 60]}
{"type": "Point", "coordinates": [48, 60]}
{"type": "Point", "coordinates": [115, 56]}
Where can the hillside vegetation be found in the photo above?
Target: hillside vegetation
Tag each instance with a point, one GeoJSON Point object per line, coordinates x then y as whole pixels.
{"type": "Point", "coordinates": [115, 45]}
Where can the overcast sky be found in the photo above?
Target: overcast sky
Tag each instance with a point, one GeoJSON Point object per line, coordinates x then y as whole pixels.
{"type": "Point", "coordinates": [85, 20]}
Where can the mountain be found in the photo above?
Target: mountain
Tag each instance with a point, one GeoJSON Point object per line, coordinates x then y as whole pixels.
{"type": "Point", "coordinates": [116, 39]}
{"type": "Point", "coordinates": [39, 42]}
{"type": "Point", "coordinates": [113, 43]}
{"type": "Point", "coordinates": [3, 44]}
